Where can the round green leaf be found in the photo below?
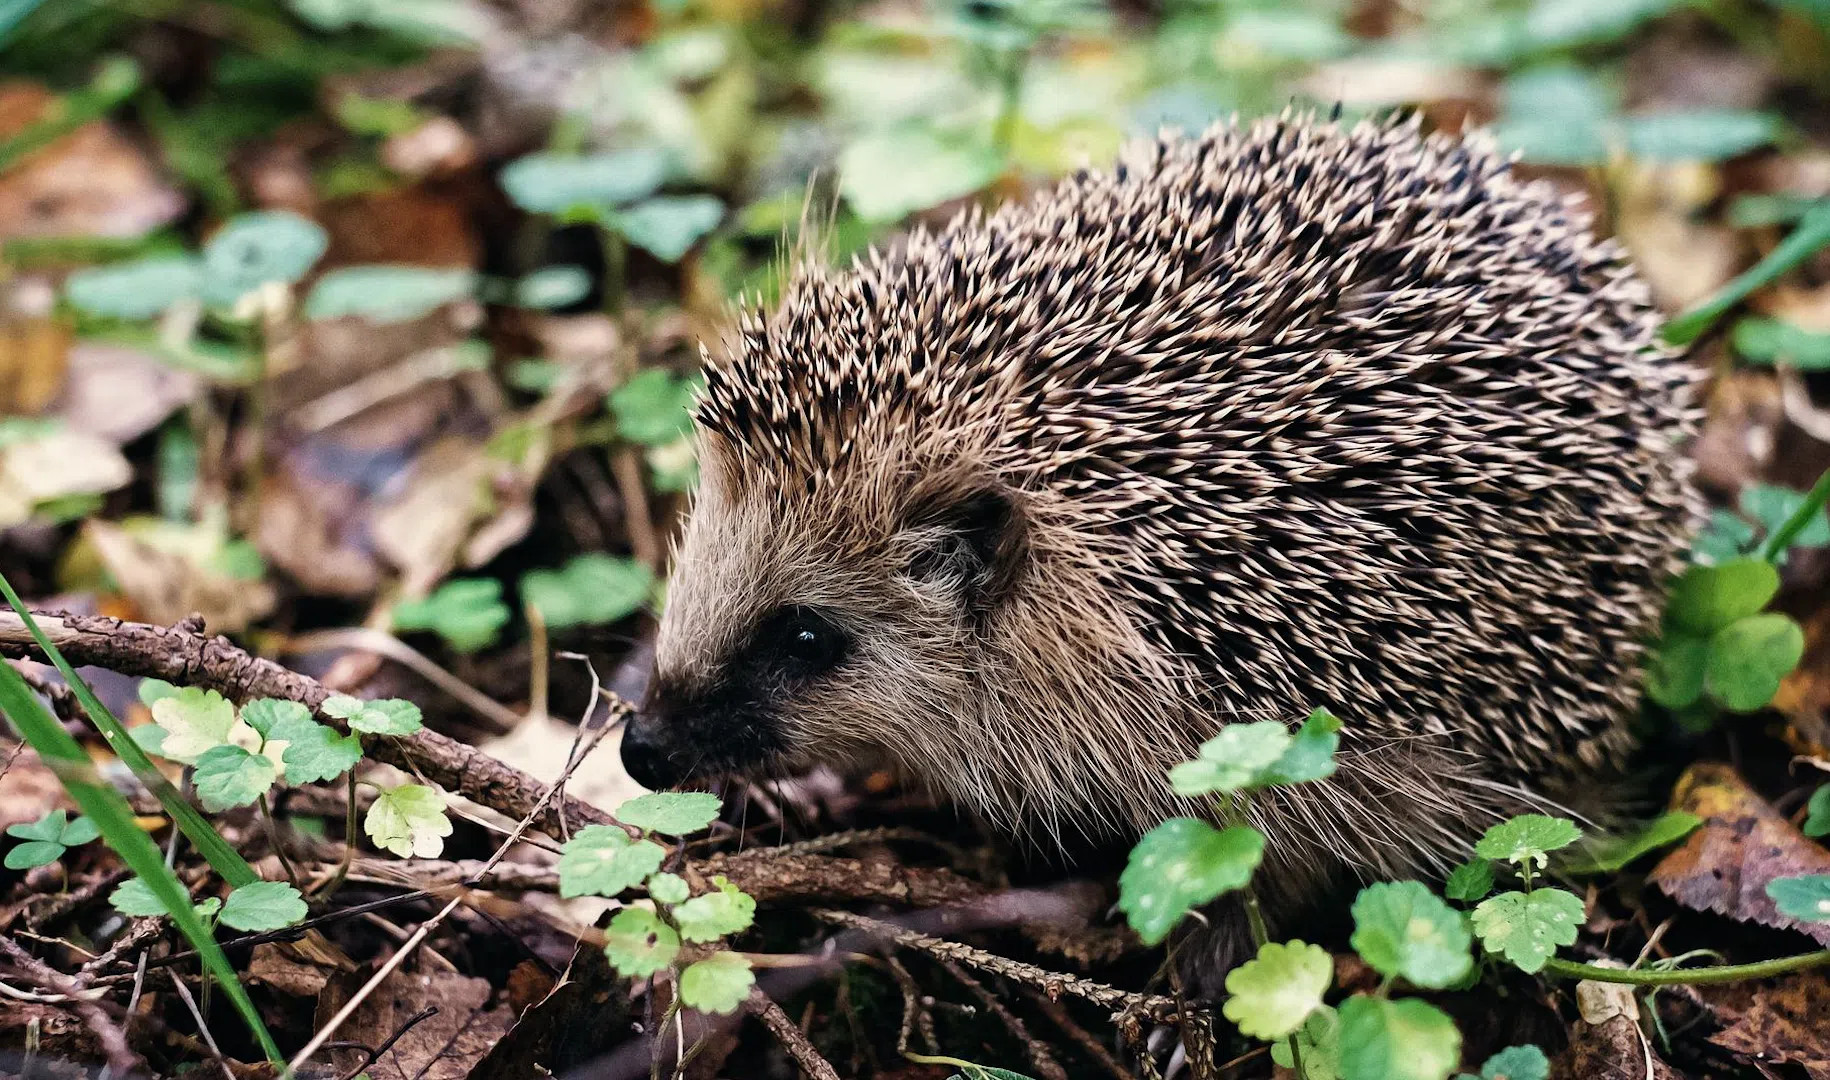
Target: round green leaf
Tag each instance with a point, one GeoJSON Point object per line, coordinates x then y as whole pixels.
{"type": "Point", "coordinates": [194, 721]}
{"type": "Point", "coordinates": [263, 905]}
{"type": "Point", "coordinates": [315, 752]}
{"type": "Point", "coordinates": [1708, 598]}
{"type": "Point", "coordinates": [1528, 928]}
{"type": "Point", "coordinates": [1319, 1039]}
{"type": "Point", "coordinates": [1750, 657]}
{"type": "Point", "coordinates": [255, 249]}
{"type": "Point", "coordinates": [1232, 759]}
{"type": "Point", "coordinates": [266, 714]}
{"type": "Point", "coordinates": [1804, 898]}
{"type": "Point", "coordinates": [1470, 881]}
{"type": "Point", "coordinates": [888, 175]}
{"type": "Point", "coordinates": [557, 183]}
{"type": "Point", "coordinates": [1270, 996]}
{"type": "Point", "coordinates": [133, 897]}
{"type": "Point", "coordinates": [712, 916]}
{"type": "Point", "coordinates": [1699, 134]}
{"type": "Point", "coordinates": [141, 289]}
{"type": "Point", "coordinates": [386, 716]}
{"type": "Point", "coordinates": [1397, 1040]}
{"type": "Point", "coordinates": [667, 888]}
{"type": "Point", "coordinates": [592, 589]}
{"type": "Point", "coordinates": [409, 821]}
{"type": "Point", "coordinates": [467, 612]}
{"type": "Point", "coordinates": [1517, 1063]}
{"type": "Point", "coordinates": [79, 831]}
{"type": "Point", "coordinates": [718, 983]}
{"type": "Point", "coordinates": [654, 408]}
{"type": "Point", "coordinates": [1527, 838]}
{"type": "Point", "coordinates": [231, 776]}
{"type": "Point", "coordinates": [1674, 678]}
{"type": "Point", "coordinates": [669, 226]}
{"type": "Point", "coordinates": [387, 294]}
{"type": "Point", "coordinates": [33, 853]}
{"type": "Point", "coordinates": [1772, 506]}
{"type": "Point", "coordinates": [49, 828]}
{"type": "Point", "coordinates": [672, 813]}
{"type": "Point", "coordinates": [1403, 929]}
{"type": "Point", "coordinates": [601, 860]}
{"type": "Point", "coordinates": [1310, 755]}
{"type": "Point", "coordinates": [1181, 864]}
{"type": "Point", "coordinates": [638, 944]}
{"type": "Point", "coordinates": [553, 287]}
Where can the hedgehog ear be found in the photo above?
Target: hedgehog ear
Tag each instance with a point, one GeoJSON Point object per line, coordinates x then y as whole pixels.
{"type": "Point", "coordinates": [972, 540]}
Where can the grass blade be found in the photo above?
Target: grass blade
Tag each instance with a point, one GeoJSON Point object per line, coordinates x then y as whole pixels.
{"type": "Point", "coordinates": [1813, 233]}
{"type": "Point", "coordinates": [109, 810]}
{"type": "Point", "coordinates": [225, 860]}
{"type": "Point", "coordinates": [1800, 520]}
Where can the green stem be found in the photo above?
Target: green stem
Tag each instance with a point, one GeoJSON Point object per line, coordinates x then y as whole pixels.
{"type": "Point", "coordinates": [273, 837]}
{"type": "Point", "coordinates": [1765, 969]}
{"type": "Point", "coordinates": [1801, 519]}
{"type": "Point", "coordinates": [1011, 87]}
{"type": "Point", "coordinates": [1254, 915]}
{"type": "Point", "coordinates": [616, 269]}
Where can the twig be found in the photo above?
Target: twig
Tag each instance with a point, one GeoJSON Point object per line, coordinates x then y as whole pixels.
{"type": "Point", "coordinates": [387, 1044]}
{"type": "Point", "coordinates": [381, 643]}
{"type": "Point", "coordinates": [203, 1029]}
{"type": "Point", "coordinates": [792, 1038]}
{"type": "Point", "coordinates": [644, 539]}
{"type": "Point", "coordinates": [1044, 1062]}
{"type": "Point", "coordinates": [121, 1058]}
{"type": "Point", "coordinates": [914, 1013]}
{"type": "Point", "coordinates": [1095, 1049]}
{"type": "Point", "coordinates": [1155, 1007]}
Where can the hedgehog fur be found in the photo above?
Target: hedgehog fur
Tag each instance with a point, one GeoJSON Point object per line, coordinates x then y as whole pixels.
{"type": "Point", "coordinates": [1280, 416]}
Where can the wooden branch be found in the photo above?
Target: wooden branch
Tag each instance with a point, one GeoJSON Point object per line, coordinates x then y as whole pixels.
{"type": "Point", "coordinates": [792, 1038]}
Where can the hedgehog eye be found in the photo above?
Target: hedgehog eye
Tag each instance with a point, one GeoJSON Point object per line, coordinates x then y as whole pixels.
{"type": "Point", "coordinates": [807, 641]}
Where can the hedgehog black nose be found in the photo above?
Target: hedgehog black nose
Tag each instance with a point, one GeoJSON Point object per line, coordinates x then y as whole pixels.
{"type": "Point", "coordinates": [648, 756]}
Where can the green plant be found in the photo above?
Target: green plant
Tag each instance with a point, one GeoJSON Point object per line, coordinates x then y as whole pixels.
{"type": "Point", "coordinates": [592, 589]}
{"type": "Point", "coordinates": [46, 840]}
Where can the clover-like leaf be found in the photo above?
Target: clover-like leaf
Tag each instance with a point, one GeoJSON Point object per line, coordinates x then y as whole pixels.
{"type": "Point", "coordinates": [654, 407]}
{"type": "Point", "coordinates": [592, 589]}
{"type": "Point", "coordinates": [1707, 598]}
{"type": "Point", "coordinates": [638, 944]}
{"type": "Point", "coordinates": [195, 721]}
{"type": "Point", "coordinates": [408, 820]}
{"type": "Point", "coordinates": [1817, 813]}
{"type": "Point", "coordinates": [47, 839]}
{"type": "Point", "coordinates": [713, 915]}
{"type": "Point", "coordinates": [33, 853]}
{"type": "Point", "coordinates": [1517, 1063]}
{"type": "Point", "coordinates": [718, 983]}
{"type": "Point", "coordinates": [266, 714]}
{"type": "Point", "coordinates": [1804, 898]}
{"type": "Point", "coordinates": [1674, 677]}
{"type": "Point", "coordinates": [387, 294]}
{"type": "Point", "coordinates": [315, 752]}
{"type": "Point", "coordinates": [1397, 1040]}
{"type": "Point", "coordinates": [1749, 658]}
{"type": "Point", "coordinates": [1403, 929]}
{"type": "Point", "coordinates": [560, 183]}
{"type": "Point", "coordinates": [141, 289]}
{"type": "Point", "coordinates": [1469, 881]}
{"type": "Point", "coordinates": [263, 905]}
{"type": "Point", "coordinates": [601, 860]}
{"type": "Point", "coordinates": [671, 813]}
{"type": "Point", "coordinates": [467, 612]}
{"type": "Point", "coordinates": [1527, 839]}
{"type": "Point", "coordinates": [1310, 755]}
{"type": "Point", "coordinates": [1528, 928]}
{"type": "Point", "coordinates": [668, 888]}
{"type": "Point", "coordinates": [255, 249]}
{"type": "Point", "coordinates": [1271, 995]}
{"type": "Point", "coordinates": [1181, 864]}
{"type": "Point", "coordinates": [1233, 759]}
{"type": "Point", "coordinates": [231, 776]}
{"type": "Point", "coordinates": [667, 227]}
{"type": "Point", "coordinates": [386, 716]}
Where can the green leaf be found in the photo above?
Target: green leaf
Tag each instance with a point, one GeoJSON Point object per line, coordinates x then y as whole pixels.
{"type": "Point", "coordinates": [467, 612]}
{"type": "Point", "coordinates": [1469, 881]}
{"type": "Point", "coordinates": [1804, 898]}
{"type": "Point", "coordinates": [1527, 838]}
{"type": "Point", "coordinates": [888, 175]}
{"type": "Point", "coordinates": [601, 860]}
{"type": "Point", "coordinates": [153, 691]}
{"type": "Point", "coordinates": [1556, 115]}
{"type": "Point", "coordinates": [653, 408]}
{"type": "Point", "coordinates": [79, 831]}
{"type": "Point", "coordinates": [638, 944]}
{"type": "Point", "coordinates": [1772, 343]}
{"type": "Point", "coordinates": [315, 752]}
{"type": "Point", "coordinates": [1750, 657]}
{"type": "Point", "coordinates": [1517, 1063]}
{"type": "Point", "coordinates": [256, 249]}
{"type": "Point", "coordinates": [1396, 1040]}
{"type": "Point", "coordinates": [33, 853]}
{"type": "Point", "coordinates": [1270, 996]}
{"type": "Point", "coordinates": [1708, 598]}
{"type": "Point", "coordinates": [1310, 755]}
{"type": "Point", "coordinates": [1319, 1039]}
{"type": "Point", "coordinates": [1403, 929]}
{"type": "Point", "coordinates": [263, 905]}
{"type": "Point", "coordinates": [553, 287]}
{"type": "Point", "coordinates": [672, 813]}
{"type": "Point", "coordinates": [712, 916]}
{"type": "Point", "coordinates": [1614, 852]}
{"type": "Point", "coordinates": [1817, 813]}
{"type": "Point", "coordinates": [1674, 678]}
{"type": "Point", "coordinates": [387, 294]}
{"type": "Point", "coordinates": [231, 776]}
{"type": "Point", "coordinates": [1181, 864]}
{"type": "Point", "coordinates": [267, 715]}
{"type": "Point", "coordinates": [195, 721]}
{"type": "Point", "coordinates": [592, 589]}
{"type": "Point", "coordinates": [1772, 506]}
{"type": "Point", "coordinates": [409, 821]}
{"type": "Point", "coordinates": [1527, 928]}
{"type": "Point", "coordinates": [1699, 134]}
{"type": "Point", "coordinates": [667, 227]}
{"type": "Point", "coordinates": [558, 184]}
{"type": "Point", "coordinates": [135, 898]}
{"type": "Point", "coordinates": [1812, 234]}
{"type": "Point", "coordinates": [141, 289]}
{"type": "Point", "coordinates": [1233, 759]}
{"type": "Point", "coordinates": [718, 983]}
{"type": "Point", "coordinates": [667, 888]}
{"type": "Point", "coordinates": [48, 828]}
{"type": "Point", "coordinates": [1727, 535]}
{"type": "Point", "coordinates": [384, 716]}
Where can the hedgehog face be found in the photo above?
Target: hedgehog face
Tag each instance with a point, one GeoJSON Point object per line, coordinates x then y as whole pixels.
{"type": "Point", "coordinates": [801, 634]}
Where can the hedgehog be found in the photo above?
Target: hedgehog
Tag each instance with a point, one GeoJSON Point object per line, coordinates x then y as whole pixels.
{"type": "Point", "coordinates": [1290, 414]}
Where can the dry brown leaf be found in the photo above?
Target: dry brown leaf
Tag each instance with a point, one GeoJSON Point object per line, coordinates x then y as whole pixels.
{"type": "Point", "coordinates": [166, 584]}
{"type": "Point", "coordinates": [119, 394]}
{"type": "Point", "coordinates": [275, 965]}
{"type": "Point", "coordinates": [444, 1046]}
{"type": "Point", "coordinates": [581, 1017]}
{"type": "Point", "coordinates": [1742, 844]}
{"type": "Point", "coordinates": [1682, 256]}
{"type": "Point", "coordinates": [1787, 1020]}
{"type": "Point", "coordinates": [34, 353]}
{"type": "Point", "coordinates": [27, 787]}
{"type": "Point", "coordinates": [91, 182]}
{"type": "Point", "coordinates": [1607, 1041]}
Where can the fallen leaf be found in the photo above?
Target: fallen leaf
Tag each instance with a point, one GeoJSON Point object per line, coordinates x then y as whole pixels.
{"type": "Point", "coordinates": [1781, 1021]}
{"type": "Point", "coordinates": [579, 1019]}
{"type": "Point", "coordinates": [276, 966]}
{"type": "Point", "coordinates": [443, 1046]}
{"type": "Point", "coordinates": [1743, 843]}
{"type": "Point", "coordinates": [167, 582]}
{"type": "Point", "coordinates": [34, 356]}
{"type": "Point", "coordinates": [90, 182]}
{"type": "Point", "coordinates": [119, 394]}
